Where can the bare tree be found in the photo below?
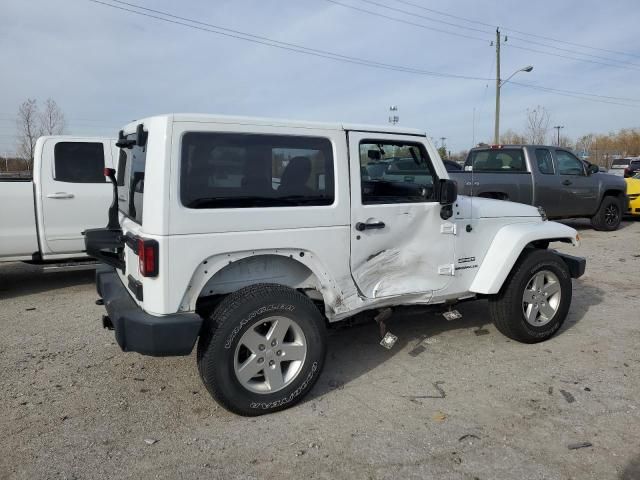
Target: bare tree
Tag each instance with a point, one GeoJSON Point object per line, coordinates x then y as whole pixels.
{"type": "Point", "coordinates": [584, 144]}
{"type": "Point", "coordinates": [28, 130]}
{"type": "Point", "coordinates": [537, 127]}
{"type": "Point", "coordinates": [566, 142]}
{"type": "Point", "coordinates": [52, 119]}
{"type": "Point", "coordinates": [511, 137]}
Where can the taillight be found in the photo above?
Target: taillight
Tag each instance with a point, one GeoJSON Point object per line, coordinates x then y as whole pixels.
{"type": "Point", "coordinates": [148, 257]}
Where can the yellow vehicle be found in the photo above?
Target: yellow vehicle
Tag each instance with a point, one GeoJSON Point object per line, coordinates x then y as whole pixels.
{"type": "Point", "coordinates": [633, 192]}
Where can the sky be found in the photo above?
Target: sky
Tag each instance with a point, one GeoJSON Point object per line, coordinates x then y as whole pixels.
{"type": "Point", "coordinates": [106, 67]}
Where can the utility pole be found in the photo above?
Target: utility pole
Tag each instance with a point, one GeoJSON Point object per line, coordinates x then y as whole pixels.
{"type": "Point", "coordinates": [474, 127]}
{"type": "Point", "coordinates": [558, 127]}
{"type": "Point", "coordinates": [496, 133]}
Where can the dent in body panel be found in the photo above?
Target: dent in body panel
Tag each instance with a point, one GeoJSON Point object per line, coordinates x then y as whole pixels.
{"type": "Point", "coordinates": [298, 269]}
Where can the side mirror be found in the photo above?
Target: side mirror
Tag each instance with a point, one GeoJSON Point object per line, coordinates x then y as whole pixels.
{"type": "Point", "coordinates": [592, 168]}
{"type": "Point", "coordinates": [448, 192]}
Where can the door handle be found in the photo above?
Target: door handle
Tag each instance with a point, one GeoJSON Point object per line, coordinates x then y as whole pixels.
{"type": "Point", "coordinates": [60, 195]}
{"type": "Point", "coordinates": [361, 226]}
{"type": "Point", "coordinates": [567, 182]}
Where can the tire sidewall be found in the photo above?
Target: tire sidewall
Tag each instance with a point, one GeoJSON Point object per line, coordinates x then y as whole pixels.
{"type": "Point", "coordinates": [601, 223]}
{"type": "Point", "coordinates": [224, 343]}
{"type": "Point", "coordinates": [523, 278]}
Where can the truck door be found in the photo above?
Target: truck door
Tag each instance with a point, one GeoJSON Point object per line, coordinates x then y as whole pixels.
{"type": "Point", "coordinates": [73, 192]}
{"type": "Point", "coordinates": [548, 183]}
{"type": "Point", "coordinates": [579, 191]}
{"type": "Point", "coordinates": [399, 243]}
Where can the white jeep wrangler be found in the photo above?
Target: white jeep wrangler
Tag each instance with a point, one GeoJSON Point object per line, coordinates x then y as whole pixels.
{"type": "Point", "coordinates": [253, 235]}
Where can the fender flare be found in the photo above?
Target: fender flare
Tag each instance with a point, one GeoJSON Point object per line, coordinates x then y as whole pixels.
{"type": "Point", "coordinates": [212, 266]}
{"type": "Point", "coordinates": [507, 247]}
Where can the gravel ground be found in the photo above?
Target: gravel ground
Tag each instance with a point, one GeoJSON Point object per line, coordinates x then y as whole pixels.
{"type": "Point", "coordinates": [451, 400]}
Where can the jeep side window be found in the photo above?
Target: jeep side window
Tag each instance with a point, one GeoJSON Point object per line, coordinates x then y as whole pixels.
{"type": "Point", "coordinates": [79, 162]}
{"type": "Point", "coordinates": [230, 170]}
{"type": "Point", "coordinates": [395, 172]}
{"type": "Point", "coordinates": [568, 164]}
{"type": "Point", "coordinates": [544, 161]}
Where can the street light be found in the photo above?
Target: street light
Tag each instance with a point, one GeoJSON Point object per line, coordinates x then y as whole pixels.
{"type": "Point", "coordinates": [499, 84]}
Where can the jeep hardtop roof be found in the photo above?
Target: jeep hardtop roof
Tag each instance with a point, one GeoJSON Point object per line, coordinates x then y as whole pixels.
{"type": "Point", "coordinates": [230, 119]}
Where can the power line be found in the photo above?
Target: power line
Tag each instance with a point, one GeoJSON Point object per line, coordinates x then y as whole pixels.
{"type": "Point", "coordinates": [407, 22]}
{"type": "Point", "coordinates": [207, 27]}
{"type": "Point", "coordinates": [478, 22]}
{"type": "Point", "coordinates": [615, 65]}
{"type": "Point", "coordinates": [210, 28]}
{"type": "Point", "coordinates": [611, 62]}
{"type": "Point", "coordinates": [559, 90]}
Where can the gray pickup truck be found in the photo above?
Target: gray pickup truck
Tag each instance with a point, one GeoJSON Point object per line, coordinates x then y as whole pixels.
{"type": "Point", "coordinates": [549, 177]}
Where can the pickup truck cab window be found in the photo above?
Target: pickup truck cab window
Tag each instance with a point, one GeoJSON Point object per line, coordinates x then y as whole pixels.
{"type": "Point", "coordinates": [230, 170]}
{"type": "Point", "coordinates": [568, 164]}
{"type": "Point", "coordinates": [544, 161]}
{"type": "Point", "coordinates": [77, 162]}
{"type": "Point", "coordinates": [497, 160]}
{"type": "Point", "coordinates": [393, 172]}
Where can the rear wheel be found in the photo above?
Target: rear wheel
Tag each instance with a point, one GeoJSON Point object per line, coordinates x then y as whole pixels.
{"type": "Point", "coordinates": [535, 299]}
{"type": "Point", "coordinates": [609, 215]}
{"type": "Point", "coordinates": [262, 350]}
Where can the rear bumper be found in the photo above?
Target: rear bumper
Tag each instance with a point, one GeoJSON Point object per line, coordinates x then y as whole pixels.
{"type": "Point", "coordinates": [576, 265]}
{"type": "Point", "coordinates": [138, 331]}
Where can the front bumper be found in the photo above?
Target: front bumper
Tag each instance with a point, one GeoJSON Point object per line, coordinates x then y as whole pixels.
{"type": "Point", "coordinates": [138, 331]}
{"type": "Point", "coordinates": [576, 265]}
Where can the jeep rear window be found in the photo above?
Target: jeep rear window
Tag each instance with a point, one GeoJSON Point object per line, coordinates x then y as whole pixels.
{"type": "Point", "coordinates": [508, 160]}
{"type": "Point", "coordinates": [130, 180]}
{"type": "Point", "coordinates": [230, 170]}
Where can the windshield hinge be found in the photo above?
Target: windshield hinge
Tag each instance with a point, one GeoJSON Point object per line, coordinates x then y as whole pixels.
{"type": "Point", "coordinates": [448, 269]}
{"type": "Point", "coordinates": [448, 229]}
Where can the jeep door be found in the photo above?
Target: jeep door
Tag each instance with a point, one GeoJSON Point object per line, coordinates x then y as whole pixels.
{"type": "Point", "coordinates": [399, 243]}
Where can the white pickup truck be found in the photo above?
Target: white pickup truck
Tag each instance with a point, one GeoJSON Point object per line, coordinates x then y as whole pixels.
{"type": "Point", "coordinates": [42, 218]}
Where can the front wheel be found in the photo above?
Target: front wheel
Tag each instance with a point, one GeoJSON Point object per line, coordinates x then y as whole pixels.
{"type": "Point", "coordinates": [262, 349]}
{"type": "Point", "coordinates": [609, 215]}
{"type": "Point", "coordinates": [534, 301]}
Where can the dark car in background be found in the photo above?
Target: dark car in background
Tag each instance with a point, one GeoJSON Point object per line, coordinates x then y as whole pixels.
{"type": "Point", "coordinates": [549, 177]}
{"type": "Point", "coordinates": [633, 168]}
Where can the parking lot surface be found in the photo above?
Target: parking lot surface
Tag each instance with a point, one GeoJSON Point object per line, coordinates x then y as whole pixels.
{"type": "Point", "coordinates": [451, 400]}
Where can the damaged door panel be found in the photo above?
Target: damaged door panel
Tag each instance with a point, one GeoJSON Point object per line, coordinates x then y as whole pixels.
{"type": "Point", "coordinates": [399, 241]}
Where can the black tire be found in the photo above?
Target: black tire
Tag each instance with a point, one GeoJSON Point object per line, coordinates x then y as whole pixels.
{"type": "Point", "coordinates": [251, 308]}
{"type": "Point", "coordinates": [507, 308]}
{"type": "Point", "coordinates": [609, 215]}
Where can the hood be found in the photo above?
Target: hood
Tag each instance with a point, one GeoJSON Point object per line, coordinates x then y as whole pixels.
{"type": "Point", "coordinates": [489, 208]}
